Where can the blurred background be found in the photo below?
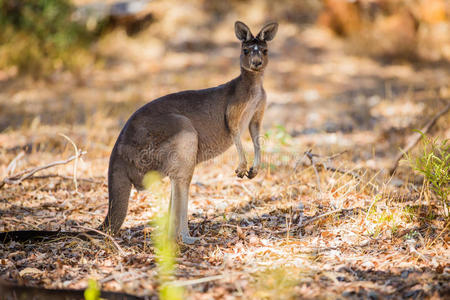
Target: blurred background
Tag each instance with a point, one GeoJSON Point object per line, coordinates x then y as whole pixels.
{"type": "Point", "coordinates": [342, 74]}
{"type": "Point", "coordinates": [350, 80]}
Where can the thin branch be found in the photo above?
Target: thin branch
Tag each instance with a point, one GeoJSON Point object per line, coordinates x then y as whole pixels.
{"type": "Point", "coordinates": [331, 157]}
{"type": "Point", "coordinates": [415, 138]}
{"type": "Point", "coordinates": [75, 165]}
{"type": "Point", "coordinates": [312, 158]}
{"type": "Point", "coordinates": [313, 164]}
{"type": "Point", "coordinates": [18, 178]}
{"type": "Point", "coordinates": [12, 291]}
{"type": "Point", "coordinates": [121, 252]}
{"type": "Point", "coordinates": [119, 277]}
{"type": "Point", "coordinates": [313, 219]}
{"type": "Point", "coordinates": [194, 281]}
{"type": "Point", "coordinates": [13, 164]}
{"type": "Point", "coordinates": [345, 172]}
{"type": "Point", "coordinates": [325, 215]}
{"type": "Point", "coordinates": [65, 177]}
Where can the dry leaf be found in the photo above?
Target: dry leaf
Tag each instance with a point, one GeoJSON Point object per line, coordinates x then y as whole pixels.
{"type": "Point", "coordinates": [29, 271]}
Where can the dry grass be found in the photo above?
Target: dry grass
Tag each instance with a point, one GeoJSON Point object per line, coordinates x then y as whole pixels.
{"type": "Point", "coordinates": [387, 240]}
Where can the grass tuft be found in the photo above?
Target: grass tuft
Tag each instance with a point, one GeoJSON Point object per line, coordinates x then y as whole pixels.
{"type": "Point", "coordinates": [433, 163]}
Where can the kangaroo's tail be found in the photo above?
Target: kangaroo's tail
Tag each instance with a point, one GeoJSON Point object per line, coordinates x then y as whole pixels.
{"type": "Point", "coordinates": [119, 188]}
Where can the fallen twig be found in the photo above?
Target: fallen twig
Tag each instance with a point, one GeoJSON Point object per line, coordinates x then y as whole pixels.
{"type": "Point", "coordinates": [313, 219]}
{"type": "Point", "coordinates": [415, 138]}
{"type": "Point", "coordinates": [18, 178]}
{"type": "Point", "coordinates": [75, 165]}
{"type": "Point", "coordinates": [12, 291]}
{"type": "Point", "coordinates": [194, 281]}
{"type": "Point", "coordinates": [65, 177]}
{"type": "Point", "coordinates": [13, 164]}
{"type": "Point", "coordinates": [118, 277]}
{"type": "Point", "coordinates": [311, 157]}
{"type": "Point", "coordinates": [121, 252]}
{"type": "Point", "coordinates": [345, 172]}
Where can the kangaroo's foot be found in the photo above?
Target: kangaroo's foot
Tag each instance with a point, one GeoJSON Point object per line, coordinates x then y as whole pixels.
{"type": "Point", "coordinates": [241, 170]}
{"type": "Point", "coordinates": [186, 238]}
{"type": "Point", "coordinates": [252, 173]}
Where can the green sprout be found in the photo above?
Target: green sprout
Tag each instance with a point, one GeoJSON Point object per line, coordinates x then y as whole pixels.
{"type": "Point", "coordinates": [164, 243]}
{"type": "Point", "coordinates": [93, 291]}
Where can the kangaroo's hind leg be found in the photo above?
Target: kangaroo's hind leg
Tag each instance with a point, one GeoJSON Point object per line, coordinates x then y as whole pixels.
{"type": "Point", "coordinates": [179, 210]}
{"type": "Point", "coordinates": [179, 163]}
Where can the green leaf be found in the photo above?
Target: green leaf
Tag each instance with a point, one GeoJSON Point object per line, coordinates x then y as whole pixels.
{"type": "Point", "coordinates": [92, 292]}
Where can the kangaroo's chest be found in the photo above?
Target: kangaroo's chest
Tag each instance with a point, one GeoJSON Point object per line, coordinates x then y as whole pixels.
{"type": "Point", "coordinates": [249, 110]}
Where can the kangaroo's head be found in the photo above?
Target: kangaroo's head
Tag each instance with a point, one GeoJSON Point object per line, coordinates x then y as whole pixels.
{"type": "Point", "coordinates": [254, 49]}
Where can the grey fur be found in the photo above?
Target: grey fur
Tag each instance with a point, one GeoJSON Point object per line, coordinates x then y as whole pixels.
{"type": "Point", "coordinates": [174, 133]}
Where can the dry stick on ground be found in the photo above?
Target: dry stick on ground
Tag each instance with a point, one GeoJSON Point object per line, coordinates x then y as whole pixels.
{"type": "Point", "coordinates": [195, 281]}
{"type": "Point", "coordinates": [66, 178]}
{"type": "Point", "coordinates": [13, 164]}
{"type": "Point", "coordinates": [311, 157]}
{"type": "Point", "coordinates": [121, 252]}
{"type": "Point", "coordinates": [313, 219]}
{"type": "Point", "coordinates": [18, 178]}
{"type": "Point", "coordinates": [415, 138]}
{"type": "Point", "coordinates": [75, 165]}
{"type": "Point", "coordinates": [13, 291]}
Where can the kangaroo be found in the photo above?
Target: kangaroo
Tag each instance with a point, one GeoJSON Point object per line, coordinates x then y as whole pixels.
{"type": "Point", "coordinates": [174, 133]}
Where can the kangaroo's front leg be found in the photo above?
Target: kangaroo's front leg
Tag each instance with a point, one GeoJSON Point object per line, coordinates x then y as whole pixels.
{"type": "Point", "coordinates": [255, 128]}
{"type": "Point", "coordinates": [233, 115]}
{"type": "Point", "coordinates": [242, 167]}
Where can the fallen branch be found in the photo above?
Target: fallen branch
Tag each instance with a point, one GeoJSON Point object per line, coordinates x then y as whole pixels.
{"type": "Point", "coordinates": [65, 177]}
{"type": "Point", "coordinates": [75, 165]}
{"type": "Point", "coordinates": [345, 172]}
{"type": "Point", "coordinates": [13, 164]}
{"type": "Point", "coordinates": [119, 277]}
{"type": "Point", "coordinates": [311, 157]}
{"type": "Point", "coordinates": [194, 281]}
{"type": "Point", "coordinates": [90, 230]}
{"type": "Point", "coordinates": [313, 219]}
{"type": "Point", "coordinates": [18, 178]}
{"type": "Point", "coordinates": [415, 138]}
{"type": "Point", "coordinates": [12, 291]}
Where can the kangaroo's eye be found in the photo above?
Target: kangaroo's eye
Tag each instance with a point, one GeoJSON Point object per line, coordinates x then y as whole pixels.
{"type": "Point", "coordinates": [245, 51]}
{"type": "Point", "coordinates": [265, 51]}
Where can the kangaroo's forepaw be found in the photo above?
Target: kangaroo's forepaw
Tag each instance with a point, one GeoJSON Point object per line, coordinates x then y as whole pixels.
{"type": "Point", "coordinates": [252, 173]}
{"type": "Point", "coordinates": [241, 171]}
{"type": "Point", "coordinates": [189, 240]}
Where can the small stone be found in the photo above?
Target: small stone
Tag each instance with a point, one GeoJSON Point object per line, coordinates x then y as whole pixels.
{"type": "Point", "coordinates": [396, 182]}
{"type": "Point", "coordinates": [348, 294]}
{"type": "Point", "coordinates": [373, 295]}
{"type": "Point", "coordinates": [368, 265]}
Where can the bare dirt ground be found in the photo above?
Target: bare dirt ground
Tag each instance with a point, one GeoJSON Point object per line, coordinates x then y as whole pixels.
{"type": "Point", "coordinates": [261, 238]}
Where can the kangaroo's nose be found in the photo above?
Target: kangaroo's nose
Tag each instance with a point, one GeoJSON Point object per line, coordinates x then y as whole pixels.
{"type": "Point", "coordinates": [257, 63]}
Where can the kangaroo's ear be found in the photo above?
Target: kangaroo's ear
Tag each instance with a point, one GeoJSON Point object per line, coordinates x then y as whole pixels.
{"type": "Point", "coordinates": [242, 31]}
{"type": "Point", "coordinates": [268, 32]}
